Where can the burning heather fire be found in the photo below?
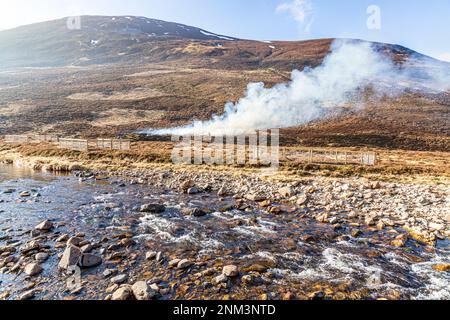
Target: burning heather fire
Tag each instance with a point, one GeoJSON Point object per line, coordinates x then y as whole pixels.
{"type": "Point", "coordinates": [314, 93]}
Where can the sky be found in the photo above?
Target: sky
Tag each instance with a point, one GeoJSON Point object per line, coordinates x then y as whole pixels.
{"type": "Point", "coordinates": [422, 25]}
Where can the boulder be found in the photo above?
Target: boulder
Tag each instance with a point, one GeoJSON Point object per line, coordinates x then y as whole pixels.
{"type": "Point", "coordinates": [220, 279]}
{"type": "Point", "coordinates": [254, 197]}
{"type": "Point", "coordinates": [152, 208]}
{"type": "Point", "coordinates": [193, 190]}
{"type": "Point", "coordinates": [193, 212]}
{"type": "Point", "coordinates": [121, 278]}
{"type": "Point", "coordinates": [230, 271]}
{"type": "Point", "coordinates": [88, 260]}
{"type": "Point", "coordinates": [286, 192]}
{"type": "Point", "coordinates": [41, 257]}
{"type": "Point", "coordinates": [122, 294]}
{"type": "Point", "coordinates": [184, 264]}
{"type": "Point", "coordinates": [44, 226]}
{"type": "Point", "coordinates": [142, 291]}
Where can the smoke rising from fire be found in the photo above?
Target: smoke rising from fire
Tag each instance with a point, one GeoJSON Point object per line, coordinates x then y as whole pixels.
{"type": "Point", "coordinates": [312, 93]}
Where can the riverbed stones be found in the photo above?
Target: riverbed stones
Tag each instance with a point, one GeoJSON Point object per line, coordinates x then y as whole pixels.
{"type": "Point", "coordinates": [150, 255]}
{"type": "Point", "coordinates": [193, 212]}
{"type": "Point", "coordinates": [255, 197]}
{"type": "Point", "coordinates": [399, 241]}
{"type": "Point", "coordinates": [25, 194]}
{"type": "Point", "coordinates": [33, 269]}
{"type": "Point", "coordinates": [193, 190]}
{"type": "Point", "coordinates": [222, 192]}
{"type": "Point", "coordinates": [122, 294]}
{"type": "Point", "coordinates": [220, 279]}
{"type": "Point", "coordinates": [27, 295]}
{"type": "Point", "coordinates": [30, 246]}
{"type": "Point", "coordinates": [142, 291]}
{"type": "Point", "coordinates": [184, 264]}
{"type": "Point", "coordinates": [230, 270]}
{"type": "Point", "coordinates": [74, 241]}
{"type": "Point", "coordinates": [44, 226]}
{"type": "Point", "coordinates": [88, 260]}
{"type": "Point", "coordinates": [186, 185]}
{"type": "Point", "coordinates": [302, 200]}
{"type": "Point", "coordinates": [152, 208]}
{"type": "Point", "coordinates": [119, 279]}
{"type": "Point", "coordinates": [174, 262]}
{"type": "Point", "coordinates": [41, 256]}
{"type": "Point", "coordinates": [286, 192]}
{"type": "Point", "coordinates": [71, 257]}
{"type": "Point", "coordinates": [62, 238]}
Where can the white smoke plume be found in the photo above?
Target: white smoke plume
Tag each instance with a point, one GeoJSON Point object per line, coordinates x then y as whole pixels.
{"type": "Point", "coordinates": [310, 95]}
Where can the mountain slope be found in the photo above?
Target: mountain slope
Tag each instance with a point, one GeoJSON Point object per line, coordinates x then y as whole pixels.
{"type": "Point", "coordinates": [112, 77]}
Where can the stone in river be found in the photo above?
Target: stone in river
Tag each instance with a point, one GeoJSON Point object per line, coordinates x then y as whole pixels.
{"type": "Point", "coordinates": [74, 241]}
{"type": "Point", "coordinates": [194, 212]}
{"type": "Point", "coordinates": [152, 208]}
{"type": "Point", "coordinates": [44, 226]}
{"type": "Point", "coordinates": [193, 190]}
{"type": "Point", "coordinates": [222, 192]}
{"type": "Point", "coordinates": [33, 269]}
{"type": "Point", "coordinates": [142, 291]}
{"type": "Point", "coordinates": [121, 294]}
{"type": "Point", "coordinates": [254, 197]}
{"type": "Point", "coordinates": [27, 295]}
{"type": "Point", "coordinates": [286, 192]}
{"type": "Point", "coordinates": [24, 194]}
{"type": "Point", "coordinates": [174, 262]}
{"type": "Point", "coordinates": [62, 238]}
{"type": "Point", "coordinates": [71, 257]}
{"type": "Point", "coordinates": [150, 255]}
{"type": "Point", "coordinates": [220, 279]}
{"type": "Point", "coordinates": [121, 278]}
{"type": "Point", "coordinates": [41, 257]}
{"type": "Point", "coordinates": [184, 264]}
{"type": "Point", "coordinates": [90, 260]}
{"type": "Point", "coordinates": [230, 271]}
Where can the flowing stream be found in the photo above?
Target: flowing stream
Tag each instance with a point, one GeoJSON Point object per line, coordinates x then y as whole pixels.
{"type": "Point", "coordinates": [291, 252]}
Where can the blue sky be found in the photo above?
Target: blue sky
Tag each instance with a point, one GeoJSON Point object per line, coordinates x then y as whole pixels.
{"type": "Point", "coordinates": [419, 24]}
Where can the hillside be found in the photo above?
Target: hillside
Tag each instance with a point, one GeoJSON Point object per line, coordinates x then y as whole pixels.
{"type": "Point", "coordinates": [119, 74]}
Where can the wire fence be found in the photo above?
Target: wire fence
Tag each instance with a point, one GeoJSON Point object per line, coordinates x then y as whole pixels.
{"type": "Point", "coordinates": [114, 144]}
{"type": "Point", "coordinates": [70, 143]}
{"type": "Point", "coordinates": [332, 157]}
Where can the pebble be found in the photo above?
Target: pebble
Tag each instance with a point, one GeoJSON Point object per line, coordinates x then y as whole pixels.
{"type": "Point", "coordinates": [44, 226]}
{"type": "Point", "coordinates": [230, 271]}
{"type": "Point", "coordinates": [142, 291]}
{"type": "Point", "coordinates": [33, 269]}
{"type": "Point", "coordinates": [41, 257]}
{"type": "Point", "coordinates": [184, 264]}
{"type": "Point", "coordinates": [152, 208]}
{"type": "Point", "coordinates": [119, 279]}
{"type": "Point", "coordinates": [122, 294]}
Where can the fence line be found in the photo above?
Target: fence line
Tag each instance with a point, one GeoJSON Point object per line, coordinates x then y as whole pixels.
{"type": "Point", "coordinates": [113, 144]}
{"type": "Point", "coordinates": [332, 157]}
{"type": "Point", "coordinates": [69, 143]}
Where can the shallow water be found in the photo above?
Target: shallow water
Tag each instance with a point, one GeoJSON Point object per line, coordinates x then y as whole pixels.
{"type": "Point", "coordinates": [299, 254]}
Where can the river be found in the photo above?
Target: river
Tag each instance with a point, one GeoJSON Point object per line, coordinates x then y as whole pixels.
{"type": "Point", "coordinates": [285, 253]}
